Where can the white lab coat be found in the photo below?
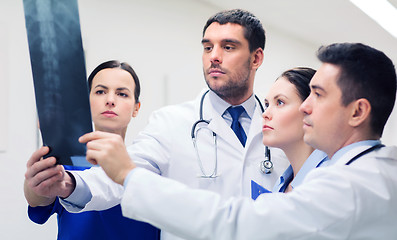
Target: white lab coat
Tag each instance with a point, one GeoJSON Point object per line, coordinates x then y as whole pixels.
{"type": "Point", "coordinates": [165, 147]}
{"type": "Point", "coordinates": [358, 201]}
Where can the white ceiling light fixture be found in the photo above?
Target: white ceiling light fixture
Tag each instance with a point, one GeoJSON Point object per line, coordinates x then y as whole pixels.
{"type": "Point", "coordinates": [382, 11]}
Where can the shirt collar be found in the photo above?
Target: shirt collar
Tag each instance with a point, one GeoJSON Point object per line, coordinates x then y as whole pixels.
{"type": "Point", "coordinates": [347, 148]}
{"type": "Point", "coordinates": [221, 105]}
{"type": "Point", "coordinates": [283, 180]}
{"type": "Point", "coordinates": [315, 159]}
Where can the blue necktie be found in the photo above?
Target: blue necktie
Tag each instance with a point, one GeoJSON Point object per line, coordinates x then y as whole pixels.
{"type": "Point", "coordinates": [235, 112]}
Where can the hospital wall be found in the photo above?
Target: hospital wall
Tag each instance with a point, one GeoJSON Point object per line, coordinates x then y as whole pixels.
{"type": "Point", "coordinates": [160, 39]}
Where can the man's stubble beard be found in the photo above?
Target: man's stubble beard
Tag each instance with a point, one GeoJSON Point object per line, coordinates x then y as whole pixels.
{"type": "Point", "coordinates": [235, 88]}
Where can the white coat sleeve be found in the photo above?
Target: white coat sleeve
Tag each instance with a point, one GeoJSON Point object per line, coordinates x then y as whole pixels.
{"type": "Point", "coordinates": [199, 214]}
{"type": "Point", "coordinates": [150, 149]}
{"type": "Point", "coordinates": [104, 192]}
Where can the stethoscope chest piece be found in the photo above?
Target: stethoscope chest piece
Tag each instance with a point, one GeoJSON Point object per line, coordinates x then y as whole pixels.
{"type": "Point", "coordinates": [266, 166]}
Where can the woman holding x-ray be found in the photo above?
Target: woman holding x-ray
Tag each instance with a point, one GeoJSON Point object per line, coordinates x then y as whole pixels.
{"type": "Point", "coordinates": [114, 100]}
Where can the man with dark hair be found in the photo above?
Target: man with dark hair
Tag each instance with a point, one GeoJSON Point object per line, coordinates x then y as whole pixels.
{"type": "Point", "coordinates": [253, 30]}
{"type": "Point", "coordinates": [366, 80]}
{"type": "Point", "coordinates": [224, 160]}
{"type": "Point", "coordinates": [353, 198]}
{"type": "Point", "coordinates": [360, 65]}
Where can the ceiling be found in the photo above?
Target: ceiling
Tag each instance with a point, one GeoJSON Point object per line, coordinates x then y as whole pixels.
{"type": "Point", "coordinates": [318, 21]}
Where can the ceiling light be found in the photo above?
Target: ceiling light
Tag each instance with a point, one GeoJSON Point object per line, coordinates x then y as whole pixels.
{"type": "Point", "coordinates": [382, 11]}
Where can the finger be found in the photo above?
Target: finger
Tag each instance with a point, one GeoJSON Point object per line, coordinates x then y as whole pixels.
{"type": "Point", "coordinates": [37, 155]}
{"type": "Point", "coordinates": [92, 161]}
{"type": "Point", "coordinates": [40, 166]}
{"type": "Point", "coordinates": [97, 145]}
{"type": "Point", "coordinates": [93, 136]}
{"type": "Point", "coordinates": [48, 186]}
{"type": "Point", "coordinates": [50, 174]}
{"type": "Point", "coordinates": [93, 156]}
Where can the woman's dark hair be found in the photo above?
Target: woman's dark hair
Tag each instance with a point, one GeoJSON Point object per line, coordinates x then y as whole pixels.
{"type": "Point", "coordinates": [300, 77]}
{"type": "Point", "coordinates": [116, 64]}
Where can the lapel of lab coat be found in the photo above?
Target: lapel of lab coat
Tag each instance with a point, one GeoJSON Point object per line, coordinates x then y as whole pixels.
{"type": "Point", "coordinates": [255, 128]}
{"type": "Point", "coordinates": [223, 130]}
{"type": "Point", "coordinates": [219, 126]}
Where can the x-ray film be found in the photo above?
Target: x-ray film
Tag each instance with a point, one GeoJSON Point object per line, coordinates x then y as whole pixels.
{"type": "Point", "coordinates": [59, 75]}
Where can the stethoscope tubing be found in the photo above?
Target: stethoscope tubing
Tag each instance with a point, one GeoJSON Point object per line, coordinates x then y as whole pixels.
{"type": "Point", "coordinates": [266, 166]}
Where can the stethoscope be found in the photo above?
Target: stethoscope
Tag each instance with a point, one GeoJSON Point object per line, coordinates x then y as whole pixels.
{"type": "Point", "coordinates": [373, 148]}
{"type": "Point", "coordinates": [266, 166]}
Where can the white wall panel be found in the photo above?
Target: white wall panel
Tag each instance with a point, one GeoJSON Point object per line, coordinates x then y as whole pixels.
{"type": "Point", "coordinates": [3, 86]}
